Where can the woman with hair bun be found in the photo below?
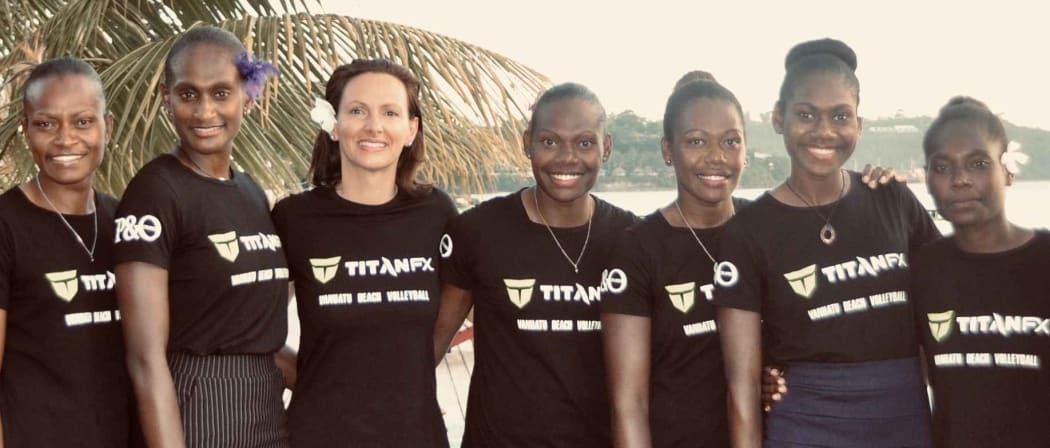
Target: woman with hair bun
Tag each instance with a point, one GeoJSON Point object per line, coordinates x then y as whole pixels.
{"type": "Point", "coordinates": [363, 251]}
{"type": "Point", "coordinates": [661, 343]}
{"type": "Point", "coordinates": [817, 273]}
{"type": "Point", "coordinates": [981, 294]}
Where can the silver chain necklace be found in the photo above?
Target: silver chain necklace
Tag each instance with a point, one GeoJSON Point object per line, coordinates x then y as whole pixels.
{"type": "Point", "coordinates": [827, 233]}
{"type": "Point", "coordinates": [575, 264]}
{"type": "Point", "coordinates": [714, 262]}
{"type": "Point", "coordinates": [94, 212]}
{"type": "Point", "coordinates": [198, 167]}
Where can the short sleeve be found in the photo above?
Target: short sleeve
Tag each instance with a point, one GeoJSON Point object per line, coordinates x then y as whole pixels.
{"type": "Point", "coordinates": [921, 229]}
{"type": "Point", "coordinates": [147, 221]}
{"type": "Point", "coordinates": [6, 265]}
{"type": "Point", "coordinates": [459, 252]}
{"type": "Point", "coordinates": [628, 279]}
{"type": "Point", "coordinates": [741, 275]}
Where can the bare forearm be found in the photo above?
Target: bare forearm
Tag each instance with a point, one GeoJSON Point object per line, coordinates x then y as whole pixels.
{"type": "Point", "coordinates": [455, 304]}
{"type": "Point", "coordinates": [286, 359]}
{"type": "Point", "coordinates": [742, 347]}
{"type": "Point", "coordinates": [158, 407]}
{"type": "Point", "coordinates": [631, 425]}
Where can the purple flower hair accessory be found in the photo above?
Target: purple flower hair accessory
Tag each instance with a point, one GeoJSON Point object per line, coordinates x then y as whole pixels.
{"type": "Point", "coordinates": [254, 74]}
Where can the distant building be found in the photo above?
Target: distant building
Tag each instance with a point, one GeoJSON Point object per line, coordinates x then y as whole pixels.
{"type": "Point", "coordinates": [895, 129]}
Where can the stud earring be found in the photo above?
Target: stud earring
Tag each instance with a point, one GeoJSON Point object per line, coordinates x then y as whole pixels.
{"type": "Point", "coordinates": [667, 161]}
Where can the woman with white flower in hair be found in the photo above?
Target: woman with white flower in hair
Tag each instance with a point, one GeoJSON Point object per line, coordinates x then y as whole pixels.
{"type": "Point", "coordinates": [200, 272]}
{"type": "Point", "coordinates": [981, 294]}
{"type": "Point", "coordinates": [363, 248]}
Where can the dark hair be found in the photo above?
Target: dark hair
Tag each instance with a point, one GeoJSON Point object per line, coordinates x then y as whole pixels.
{"type": "Point", "coordinates": [568, 90]}
{"type": "Point", "coordinates": [693, 86]}
{"type": "Point", "coordinates": [325, 166]}
{"type": "Point", "coordinates": [202, 35]}
{"type": "Point", "coordinates": [61, 66]}
{"type": "Point", "coordinates": [818, 56]}
{"type": "Point", "coordinates": [970, 111]}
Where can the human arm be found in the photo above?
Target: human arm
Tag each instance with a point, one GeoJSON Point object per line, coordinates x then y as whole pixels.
{"type": "Point", "coordinates": [627, 346]}
{"type": "Point", "coordinates": [873, 176]}
{"type": "Point", "coordinates": [455, 303]}
{"type": "Point", "coordinates": [142, 294]}
{"type": "Point", "coordinates": [741, 337]}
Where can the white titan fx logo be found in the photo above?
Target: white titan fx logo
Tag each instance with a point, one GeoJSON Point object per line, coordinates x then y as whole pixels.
{"type": "Point", "coordinates": [64, 284]}
{"type": "Point", "coordinates": [682, 295]}
{"type": "Point", "coordinates": [227, 245]}
{"type": "Point", "coordinates": [324, 269]}
{"type": "Point", "coordinates": [941, 324]}
{"type": "Point", "coordinates": [803, 281]}
{"type": "Point", "coordinates": [519, 290]}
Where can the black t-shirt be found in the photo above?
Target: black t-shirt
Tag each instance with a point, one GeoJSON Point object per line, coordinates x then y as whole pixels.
{"type": "Point", "coordinates": [63, 378]}
{"type": "Point", "coordinates": [539, 377]}
{"type": "Point", "coordinates": [985, 324]}
{"type": "Point", "coordinates": [227, 278]}
{"type": "Point", "coordinates": [847, 302]}
{"type": "Point", "coordinates": [367, 288]}
{"type": "Point", "coordinates": [668, 278]}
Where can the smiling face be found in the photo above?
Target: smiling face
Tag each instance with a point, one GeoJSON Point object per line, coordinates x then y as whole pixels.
{"type": "Point", "coordinates": [66, 128]}
{"type": "Point", "coordinates": [820, 125]}
{"type": "Point", "coordinates": [206, 99]}
{"type": "Point", "coordinates": [567, 143]}
{"type": "Point", "coordinates": [373, 124]}
{"type": "Point", "coordinates": [965, 177]}
{"type": "Point", "coordinates": [707, 149]}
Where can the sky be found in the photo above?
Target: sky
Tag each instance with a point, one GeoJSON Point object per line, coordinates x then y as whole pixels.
{"type": "Point", "coordinates": [912, 55]}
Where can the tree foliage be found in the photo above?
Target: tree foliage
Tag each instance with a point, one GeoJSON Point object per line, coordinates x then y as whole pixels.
{"type": "Point", "coordinates": [473, 100]}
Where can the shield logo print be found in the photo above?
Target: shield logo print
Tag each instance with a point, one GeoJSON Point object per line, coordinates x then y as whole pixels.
{"type": "Point", "coordinates": [519, 290]}
{"type": "Point", "coordinates": [64, 284]}
{"type": "Point", "coordinates": [324, 269]}
{"type": "Point", "coordinates": [941, 324]}
{"type": "Point", "coordinates": [227, 245]}
{"type": "Point", "coordinates": [682, 295]}
{"type": "Point", "coordinates": [803, 281]}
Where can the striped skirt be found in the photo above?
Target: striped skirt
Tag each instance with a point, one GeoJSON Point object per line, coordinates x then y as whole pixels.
{"type": "Point", "coordinates": [879, 404]}
{"type": "Point", "coordinates": [230, 401]}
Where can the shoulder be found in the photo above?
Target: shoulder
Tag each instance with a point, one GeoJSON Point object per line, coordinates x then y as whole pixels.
{"type": "Point", "coordinates": [499, 207]}
{"type": "Point", "coordinates": [437, 198]}
{"type": "Point", "coordinates": [106, 206]}
{"type": "Point", "coordinates": [613, 216]}
{"type": "Point", "coordinates": [751, 213]}
{"type": "Point", "coordinates": [155, 177]}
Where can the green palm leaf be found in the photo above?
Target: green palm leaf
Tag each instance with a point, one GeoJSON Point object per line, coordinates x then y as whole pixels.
{"type": "Point", "coordinates": [474, 101]}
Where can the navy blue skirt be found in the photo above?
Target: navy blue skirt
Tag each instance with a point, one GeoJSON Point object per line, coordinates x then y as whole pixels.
{"type": "Point", "coordinates": [879, 404]}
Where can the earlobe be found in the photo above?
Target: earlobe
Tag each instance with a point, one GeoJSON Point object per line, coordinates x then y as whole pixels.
{"type": "Point", "coordinates": [778, 119]}
{"type": "Point", "coordinates": [1009, 178]}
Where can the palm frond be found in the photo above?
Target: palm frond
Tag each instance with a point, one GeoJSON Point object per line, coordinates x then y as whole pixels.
{"type": "Point", "coordinates": [474, 101]}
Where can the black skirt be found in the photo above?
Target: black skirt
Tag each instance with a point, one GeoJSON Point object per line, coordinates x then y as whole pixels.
{"type": "Point", "coordinates": [879, 404]}
{"type": "Point", "coordinates": [230, 400]}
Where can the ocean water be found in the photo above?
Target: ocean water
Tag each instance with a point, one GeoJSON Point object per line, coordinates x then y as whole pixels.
{"type": "Point", "coordinates": [1026, 202]}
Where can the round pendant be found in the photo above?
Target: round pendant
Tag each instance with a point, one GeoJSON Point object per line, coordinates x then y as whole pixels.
{"type": "Point", "coordinates": [827, 234]}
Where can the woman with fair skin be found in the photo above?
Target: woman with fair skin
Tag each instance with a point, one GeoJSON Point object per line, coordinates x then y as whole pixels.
{"type": "Point", "coordinates": [362, 248]}
{"type": "Point", "coordinates": [531, 263]}
{"type": "Point", "coordinates": [981, 294]}
{"type": "Point", "coordinates": [62, 378]}
{"type": "Point", "coordinates": [661, 343]}
{"type": "Point", "coordinates": [821, 281]}
{"type": "Point", "coordinates": [201, 275]}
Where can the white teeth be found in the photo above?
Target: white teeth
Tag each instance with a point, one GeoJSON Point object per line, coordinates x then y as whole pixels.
{"type": "Point", "coordinates": [711, 177]}
{"type": "Point", "coordinates": [822, 151]}
{"type": "Point", "coordinates": [566, 176]}
{"type": "Point", "coordinates": [67, 159]}
{"type": "Point", "coordinates": [373, 145]}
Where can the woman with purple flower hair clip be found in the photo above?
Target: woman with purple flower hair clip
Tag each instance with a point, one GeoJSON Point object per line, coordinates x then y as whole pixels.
{"type": "Point", "coordinates": [202, 280]}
